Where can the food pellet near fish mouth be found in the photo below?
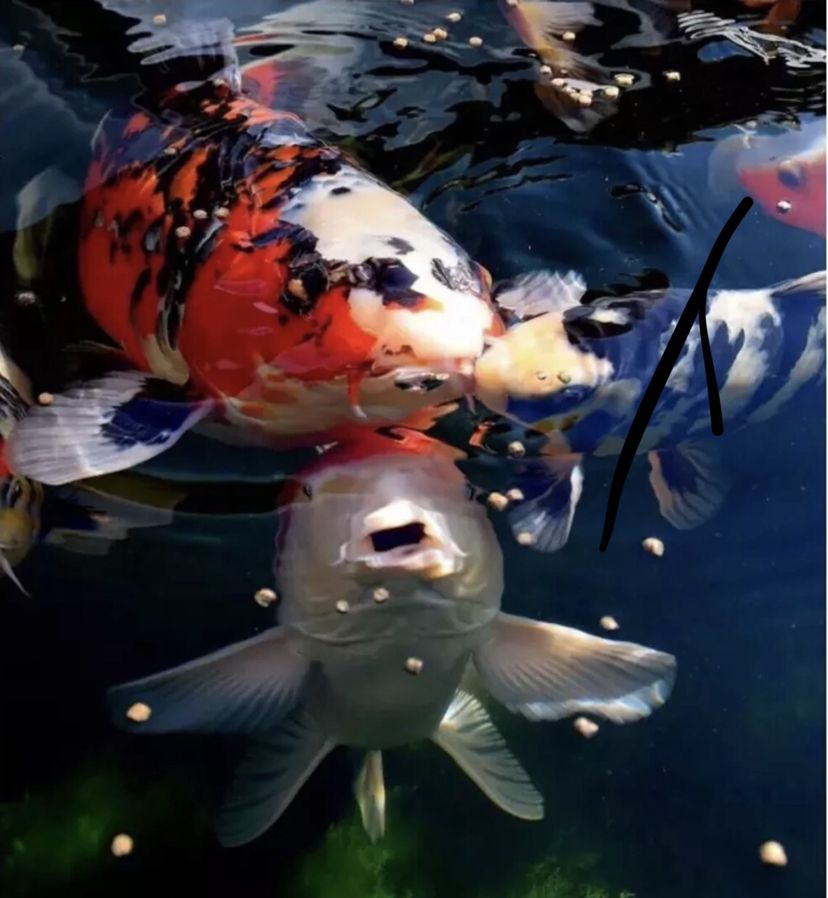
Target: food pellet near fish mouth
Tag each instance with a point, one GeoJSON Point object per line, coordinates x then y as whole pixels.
{"type": "Point", "coordinates": [139, 712]}
{"type": "Point", "coordinates": [414, 666]}
{"type": "Point", "coordinates": [265, 597]}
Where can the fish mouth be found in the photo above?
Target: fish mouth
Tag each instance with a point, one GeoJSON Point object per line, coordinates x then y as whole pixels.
{"type": "Point", "coordinates": [403, 538]}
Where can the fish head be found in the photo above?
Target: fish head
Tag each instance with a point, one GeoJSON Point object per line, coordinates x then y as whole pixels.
{"type": "Point", "coordinates": [399, 526]}
{"type": "Point", "coordinates": [535, 372]}
{"type": "Point", "coordinates": [784, 173]}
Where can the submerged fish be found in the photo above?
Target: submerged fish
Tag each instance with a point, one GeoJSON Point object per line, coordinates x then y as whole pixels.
{"type": "Point", "coordinates": [250, 271]}
{"type": "Point", "coordinates": [785, 173]}
{"type": "Point", "coordinates": [577, 372]}
{"type": "Point", "coordinates": [390, 582]}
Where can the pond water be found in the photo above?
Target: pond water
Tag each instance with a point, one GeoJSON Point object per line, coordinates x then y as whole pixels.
{"type": "Point", "coordinates": [671, 806]}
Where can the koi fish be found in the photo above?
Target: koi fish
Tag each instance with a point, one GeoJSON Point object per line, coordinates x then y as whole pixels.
{"type": "Point", "coordinates": [250, 272]}
{"type": "Point", "coordinates": [577, 372]}
{"type": "Point", "coordinates": [785, 173]}
{"type": "Point", "coordinates": [389, 580]}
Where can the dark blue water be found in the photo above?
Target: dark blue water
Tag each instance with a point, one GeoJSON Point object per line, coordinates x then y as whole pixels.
{"type": "Point", "coordinates": [671, 807]}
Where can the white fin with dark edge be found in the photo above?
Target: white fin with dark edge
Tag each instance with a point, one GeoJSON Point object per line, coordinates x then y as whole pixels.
{"type": "Point", "coordinates": [105, 425]}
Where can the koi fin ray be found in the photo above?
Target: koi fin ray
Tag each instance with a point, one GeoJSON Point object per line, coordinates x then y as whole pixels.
{"type": "Point", "coordinates": [271, 773]}
{"type": "Point", "coordinates": [104, 425]}
{"type": "Point", "coordinates": [544, 520]}
{"type": "Point", "coordinates": [244, 688]}
{"type": "Point", "coordinates": [688, 484]}
{"type": "Point", "coordinates": [546, 672]}
{"type": "Point", "coordinates": [468, 736]}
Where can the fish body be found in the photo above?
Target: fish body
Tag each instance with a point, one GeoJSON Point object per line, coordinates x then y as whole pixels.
{"type": "Point", "coordinates": [784, 173]}
{"type": "Point", "coordinates": [251, 272]}
{"type": "Point", "coordinates": [389, 579]}
{"type": "Point", "coordinates": [578, 374]}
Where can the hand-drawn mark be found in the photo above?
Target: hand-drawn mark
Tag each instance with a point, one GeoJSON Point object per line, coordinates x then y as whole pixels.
{"type": "Point", "coordinates": [695, 309]}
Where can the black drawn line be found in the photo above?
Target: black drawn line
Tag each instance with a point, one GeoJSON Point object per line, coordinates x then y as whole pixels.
{"type": "Point", "coordinates": [695, 309]}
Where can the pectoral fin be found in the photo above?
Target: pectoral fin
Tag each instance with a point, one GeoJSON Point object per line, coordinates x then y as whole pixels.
{"type": "Point", "coordinates": [551, 488]}
{"type": "Point", "coordinates": [270, 774]}
{"type": "Point", "coordinates": [540, 292]}
{"type": "Point", "coordinates": [468, 735]}
{"type": "Point", "coordinates": [246, 687]}
{"type": "Point", "coordinates": [108, 424]}
{"type": "Point", "coordinates": [370, 795]}
{"type": "Point", "coordinates": [547, 672]}
{"type": "Point", "coordinates": [688, 484]}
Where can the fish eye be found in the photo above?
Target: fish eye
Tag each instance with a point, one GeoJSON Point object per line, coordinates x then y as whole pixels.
{"type": "Point", "coordinates": [790, 174]}
{"type": "Point", "coordinates": [15, 491]}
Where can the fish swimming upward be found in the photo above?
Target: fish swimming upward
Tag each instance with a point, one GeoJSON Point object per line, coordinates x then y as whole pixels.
{"type": "Point", "coordinates": [390, 582]}
{"type": "Point", "coordinates": [251, 272]}
{"type": "Point", "coordinates": [577, 373]}
{"type": "Point", "coordinates": [785, 173]}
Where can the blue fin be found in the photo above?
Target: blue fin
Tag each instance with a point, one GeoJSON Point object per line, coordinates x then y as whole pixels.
{"type": "Point", "coordinates": [244, 688]}
{"type": "Point", "coordinates": [688, 484]}
{"type": "Point", "coordinates": [105, 425]}
{"type": "Point", "coordinates": [551, 489]}
{"type": "Point", "coordinates": [272, 771]}
{"type": "Point", "coordinates": [547, 672]}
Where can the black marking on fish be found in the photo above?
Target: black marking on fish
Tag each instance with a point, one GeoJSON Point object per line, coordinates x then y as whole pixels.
{"type": "Point", "coordinates": [141, 284]}
{"type": "Point", "coordinates": [338, 191]}
{"type": "Point", "coordinates": [402, 247]}
{"type": "Point", "coordinates": [456, 278]}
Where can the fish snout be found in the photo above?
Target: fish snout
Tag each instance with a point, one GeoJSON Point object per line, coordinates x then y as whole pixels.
{"type": "Point", "coordinates": [404, 538]}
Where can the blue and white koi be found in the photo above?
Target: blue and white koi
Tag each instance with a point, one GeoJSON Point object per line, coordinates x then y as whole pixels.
{"type": "Point", "coordinates": [577, 372]}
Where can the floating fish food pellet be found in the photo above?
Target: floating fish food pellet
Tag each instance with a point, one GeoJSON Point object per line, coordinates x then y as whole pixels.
{"type": "Point", "coordinates": [497, 501]}
{"type": "Point", "coordinates": [512, 2]}
{"type": "Point", "coordinates": [160, 19]}
{"type": "Point", "coordinates": [773, 853]}
{"type": "Point", "coordinates": [440, 33]}
{"type": "Point", "coordinates": [222, 212]}
{"type": "Point", "coordinates": [783, 206]}
{"type": "Point", "coordinates": [265, 597]}
{"type": "Point", "coordinates": [454, 16]}
{"type": "Point", "coordinates": [400, 43]}
{"type": "Point", "coordinates": [139, 712]}
{"type": "Point", "coordinates": [609, 623]}
{"type": "Point", "coordinates": [525, 538]}
{"type": "Point", "coordinates": [584, 98]}
{"type": "Point", "coordinates": [45, 399]}
{"type": "Point", "coordinates": [558, 82]}
{"type": "Point", "coordinates": [515, 495]}
{"type": "Point", "coordinates": [170, 151]}
{"type": "Point", "coordinates": [25, 298]}
{"type": "Point", "coordinates": [122, 845]}
{"type": "Point", "coordinates": [407, 2]}
{"type": "Point", "coordinates": [414, 665]}
{"type": "Point", "coordinates": [545, 70]}
{"type": "Point", "coordinates": [430, 38]}
{"type": "Point", "coordinates": [516, 448]}
{"type": "Point", "coordinates": [587, 728]}
{"type": "Point", "coordinates": [625, 79]}
{"type": "Point", "coordinates": [611, 92]}
{"type": "Point", "coordinates": [183, 232]}
{"type": "Point", "coordinates": [475, 41]}
{"type": "Point", "coordinates": [381, 595]}
{"type": "Point", "coordinates": [568, 36]}
{"type": "Point", "coordinates": [18, 48]}
{"type": "Point", "coordinates": [654, 546]}
{"type": "Point", "coordinates": [199, 214]}
{"type": "Point", "coordinates": [673, 76]}
{"type": "Point", "coordinates": [342, 606]}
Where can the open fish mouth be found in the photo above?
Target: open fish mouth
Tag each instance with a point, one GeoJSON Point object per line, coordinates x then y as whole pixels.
{"type": "Point", "coordinates": [404, 538]}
